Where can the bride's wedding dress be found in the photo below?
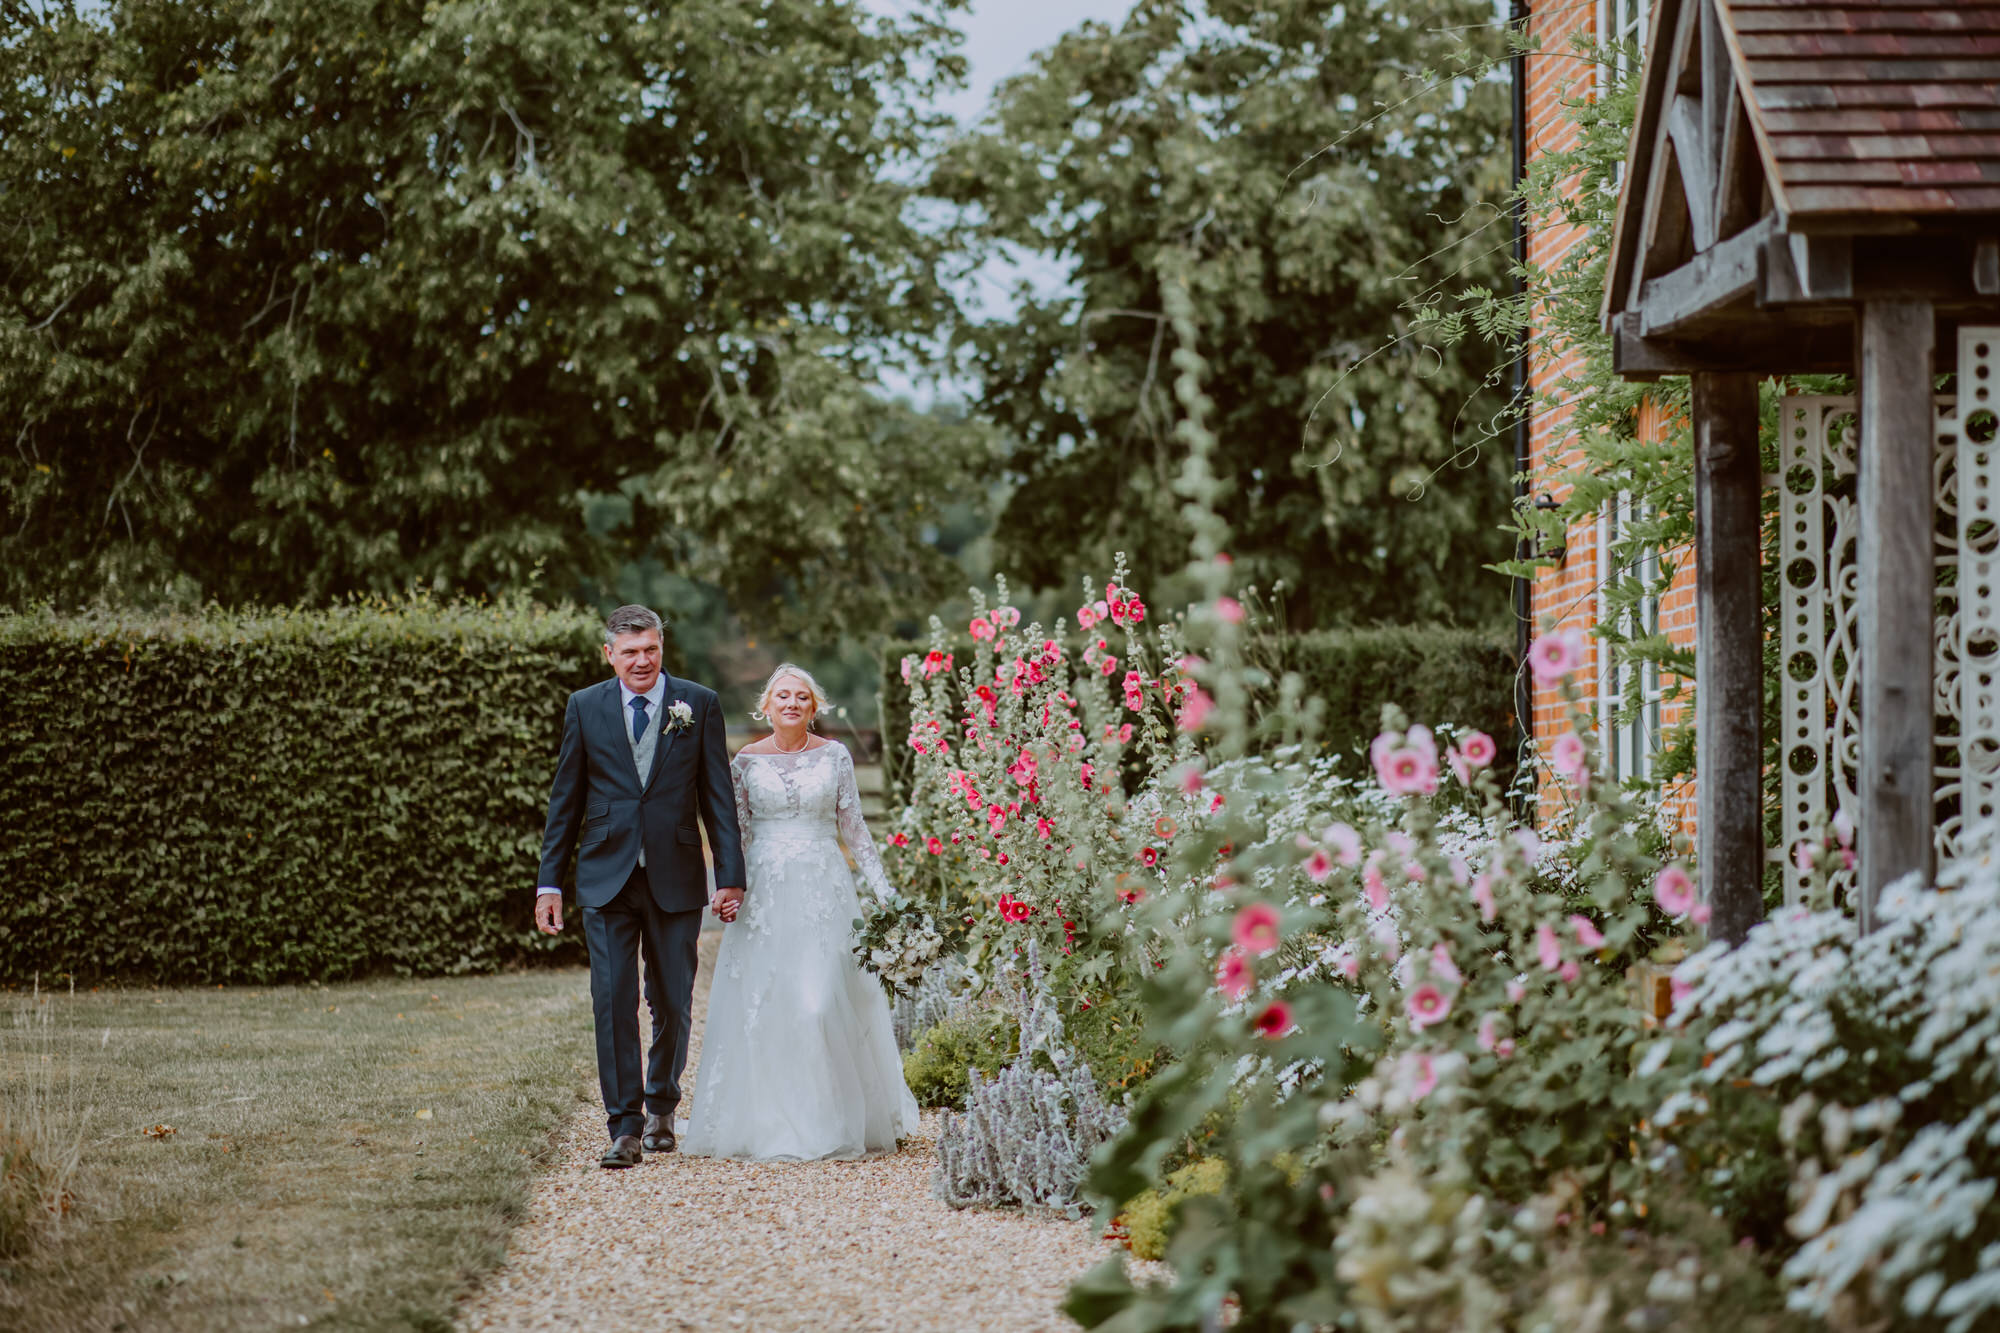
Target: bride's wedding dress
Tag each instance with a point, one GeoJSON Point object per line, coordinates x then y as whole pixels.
{"type": "Point", "coordinates": [798, 1059]}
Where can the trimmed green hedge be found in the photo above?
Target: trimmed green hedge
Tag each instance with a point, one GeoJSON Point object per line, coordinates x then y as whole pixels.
{"type": "Point", "coordinates": [280, 796]}
{"type": "Point", "coordinates": [1435, 673]}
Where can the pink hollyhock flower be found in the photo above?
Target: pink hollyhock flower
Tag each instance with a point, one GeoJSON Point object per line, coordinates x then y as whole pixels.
{"type": "Point", "coordinates": [1319, 866]}
{"type": "Point", "coordinates": [1256, 928]}
{"type": "Point", "coordinates": [1414, 872]}
{"type": "Point", "coordinates": [1125, 734]}
{"type": "Point", "coordinates": [1190, 779]}
{"type": "Point", "coordinates": [1043, 828]}
{"type": "Point", "coordinates": [1478, 749]}
{"type": "Point", "coordinates": [1489, 1030]}
{"type": "Point", "coordinates": [1517, 990]}
{"type": "Point", "coordinates": [1529, 843]}
{"type": "Point", "coordinates": [1101, 609]}
{"type": "Point", "coordinates": [1554, 656]}
{"type": "Point", "coordinates": [1569, 971]}
{"type": "Point", "coordinates": [1150, 855]}
{"type": "Point", "coordinates": [1402, 844]}
{"type": "Point", "coordinates": [1678, 992]}
{"type": "Point", "coordinates": [1229, 609]}
{"type": "Point", "coordinates": [997, 818]}
{"type": "Point", "coordinates": [906, 668]}
{"type": "Point", "coordinates": [982, 628]}
{"type": "Point", "coordinates": [1233, 974]}
{"type": "Point", "coordinates": [1547, 947]}
{"type": "Point", "coordinates": [1372, 881]}
{"type": "Point", "coordinates": [1408, 768]}
{"type": "Point", "coordinates": [1131, 894]}
{"type": "Point", "coordinates": [1275, 1020]}
{"type": "Point", "coordinates": [1567, 754]}
{"type": "Point", "coordinates": [1482, 894]}
{"type": "Point", "coordinates": [1673, 889]}
{"type": "Point", "coordinates": [1108, 665]}
{"type": "Point", "coordinates": [1418, 1075]}
{"type": "Point", "coordinates": [1442, 966]}
{"type": "Point", "coordinates": [1135, 611]}
{"type": "Point", "coordinates": [1386, 939]}
{"type": "Point", "coordinates": [934, 846]}
{"type": "Point", "coordinates": [1006, 617]}
{"type": "Point", "coordinates": [1699, 914]}
{"type": "Point", "coordinates": [1051, 652]}
{"type": "Point", "coordinates": [1427, 1005]}
{"type": "Point", "coordinates": [1461, 871]}
{"type": "Point", "coordinates": [1504, 1047]}
{"type": "Point", "coordinates": [935, 662]}
{"type": "Point", "coordinates": [1587, 933]}
{"type": "Point", "coordinates": [1460, 769]}
{"type": "Point", "coordinates": [1196, 710]}
{"type": "Point", "coordinates": [1085, 617]}
{"type": "Point", "coordinates": [1117, 613]}
{"type": "Point", "coordinates": [1346, 843]}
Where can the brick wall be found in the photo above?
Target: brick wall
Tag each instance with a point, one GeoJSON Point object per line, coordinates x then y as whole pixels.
{"type": "Point", "coordinates": [1568, 594]}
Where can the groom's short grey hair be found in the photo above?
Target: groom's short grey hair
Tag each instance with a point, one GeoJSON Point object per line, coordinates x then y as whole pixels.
{"type": "Point", "coordinates": [629, 620]}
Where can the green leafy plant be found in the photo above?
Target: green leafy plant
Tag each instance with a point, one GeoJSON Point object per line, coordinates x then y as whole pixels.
{"type": "Point", "coordinates": [977, 1037]}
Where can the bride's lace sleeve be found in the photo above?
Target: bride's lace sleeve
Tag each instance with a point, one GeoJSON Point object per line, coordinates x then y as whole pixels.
{"type": "Point", "coordinates": [854, 834]}
{"type": "Point", "coordinates": [741, 787]}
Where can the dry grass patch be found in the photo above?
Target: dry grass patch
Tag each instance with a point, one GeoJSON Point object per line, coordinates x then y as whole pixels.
{"type": "Point", "coordinates": [342, 1157]}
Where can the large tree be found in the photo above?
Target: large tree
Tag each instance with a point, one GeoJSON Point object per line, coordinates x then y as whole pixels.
{"type": "Point", "coordinates": [1308, 170]}
{"type": "Point", "coordinates": [302, 299]}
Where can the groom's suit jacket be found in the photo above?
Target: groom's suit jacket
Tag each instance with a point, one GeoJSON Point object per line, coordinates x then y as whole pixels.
{"type": "Point", "coordinates": [599, 805]}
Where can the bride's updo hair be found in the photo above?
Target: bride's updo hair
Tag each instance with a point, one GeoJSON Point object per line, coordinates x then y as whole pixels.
{"type": "Point", "coordinates": [820, 702]}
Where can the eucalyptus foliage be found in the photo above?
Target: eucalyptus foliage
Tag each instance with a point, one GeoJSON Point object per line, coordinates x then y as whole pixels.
{"type": "Point", "coordinates": [305, 299]}
{"type": "Point", "coordinates": [1281, 158]}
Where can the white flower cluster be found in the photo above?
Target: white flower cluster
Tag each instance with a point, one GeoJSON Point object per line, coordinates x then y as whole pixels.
{"type": "Point", "coordinates": [1885, 1051]}
{"type": "Point", "coordinates": [1027, 1135]}
{"type": "Point", "coordinates": [906, 951]}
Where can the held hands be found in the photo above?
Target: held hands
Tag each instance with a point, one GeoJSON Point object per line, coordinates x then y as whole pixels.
{"type": "Point", "coordinates": [548, 913]}
{"type": "Point", "coordinates": [726, 903]}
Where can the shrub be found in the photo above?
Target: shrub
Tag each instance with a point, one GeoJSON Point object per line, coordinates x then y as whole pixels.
{"type": "Point", "coordinates": [283, 795]}
{"type": "Point", "coordinates": [1434, 671]}
{"type": "Point", "coordinates": [937, 1064]}
{"type": "Point", "coordinates": [1880, 1056]}
{"type": "Point", "coordinates": [1150, 1218]}
{"type": "Point", "coordinates": [1461, 676]}
{"type": "Point", "coordinates": [1027, 1136]}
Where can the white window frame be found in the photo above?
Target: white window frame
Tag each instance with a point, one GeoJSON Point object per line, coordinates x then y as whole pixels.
{"type": "Point", "coordinates": [1620, 22]}
{"type": "Point", "coordinates": [1630, 745]}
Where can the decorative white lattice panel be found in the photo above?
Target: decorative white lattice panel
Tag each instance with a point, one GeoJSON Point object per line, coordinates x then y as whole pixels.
{"type": "Point", "coordinates": [1819, 608]}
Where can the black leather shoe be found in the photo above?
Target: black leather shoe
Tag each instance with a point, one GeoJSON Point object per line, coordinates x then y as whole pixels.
{"type": "Point", "coordinates": [659, 1133]}
{"type": "Point", "coordinates": [624, 1151]}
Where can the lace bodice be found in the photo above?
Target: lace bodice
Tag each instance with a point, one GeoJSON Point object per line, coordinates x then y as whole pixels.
{"type": "Point", "coordinates": [810, 794]}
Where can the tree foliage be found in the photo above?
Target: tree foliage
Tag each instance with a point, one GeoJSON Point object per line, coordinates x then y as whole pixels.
{"type": "Point", "coordinates": [305, 299]}
{"type": "Point", "coordinates": [1314, 176]}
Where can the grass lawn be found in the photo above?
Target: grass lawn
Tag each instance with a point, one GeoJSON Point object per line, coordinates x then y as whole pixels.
{"type": "Point", "coordinates": [343, 1156]}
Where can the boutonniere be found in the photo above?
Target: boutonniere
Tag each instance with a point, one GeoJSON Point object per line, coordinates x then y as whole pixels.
{"type": "Point", "coordinates": [679, 716]}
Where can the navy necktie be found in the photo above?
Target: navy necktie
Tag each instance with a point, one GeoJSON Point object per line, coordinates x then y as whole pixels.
{"type": "Point", "coordinates": [638, 717]}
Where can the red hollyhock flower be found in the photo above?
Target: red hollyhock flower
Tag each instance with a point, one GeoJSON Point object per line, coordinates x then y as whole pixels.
{"type": "Point", "coordinates": [934, 846]}
{"type": "Point", "coordinates": [1275, 1020]}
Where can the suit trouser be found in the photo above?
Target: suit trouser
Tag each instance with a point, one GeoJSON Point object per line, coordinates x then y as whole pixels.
{"type": "Point", "coordinates": [630, 933]}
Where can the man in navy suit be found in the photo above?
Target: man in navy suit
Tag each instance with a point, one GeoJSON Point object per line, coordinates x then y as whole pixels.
{"type": "Point", "coordinates": [643, 755]}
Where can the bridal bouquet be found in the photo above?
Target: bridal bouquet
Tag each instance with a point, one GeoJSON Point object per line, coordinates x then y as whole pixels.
{"type": "Point", "coordinates": [898, 946]}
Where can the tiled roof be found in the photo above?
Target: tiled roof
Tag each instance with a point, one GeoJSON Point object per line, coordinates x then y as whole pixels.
{"type": "Point", "coordinates": [1871, 107]}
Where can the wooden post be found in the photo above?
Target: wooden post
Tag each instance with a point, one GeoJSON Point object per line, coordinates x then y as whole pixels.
{"type": "Point", "coordinates": [1897, 594]}
{"type": "Point", "coordinates": [1729, 652]}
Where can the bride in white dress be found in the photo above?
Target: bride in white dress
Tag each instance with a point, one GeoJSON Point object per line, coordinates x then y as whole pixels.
{"type": "Point", "coordinates": [798, 1058]}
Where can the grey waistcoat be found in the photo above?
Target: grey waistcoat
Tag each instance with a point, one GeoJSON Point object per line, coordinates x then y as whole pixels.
{"type": "Point", "coordinates": [642, 749]}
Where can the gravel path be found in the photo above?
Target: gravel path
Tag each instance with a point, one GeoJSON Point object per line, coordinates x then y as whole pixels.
{"type": "Point", "coordinates": [693, 1243]}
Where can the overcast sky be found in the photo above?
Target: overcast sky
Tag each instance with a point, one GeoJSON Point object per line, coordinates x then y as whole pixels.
{"type": "Point", "coordinates": [1000, 36]}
